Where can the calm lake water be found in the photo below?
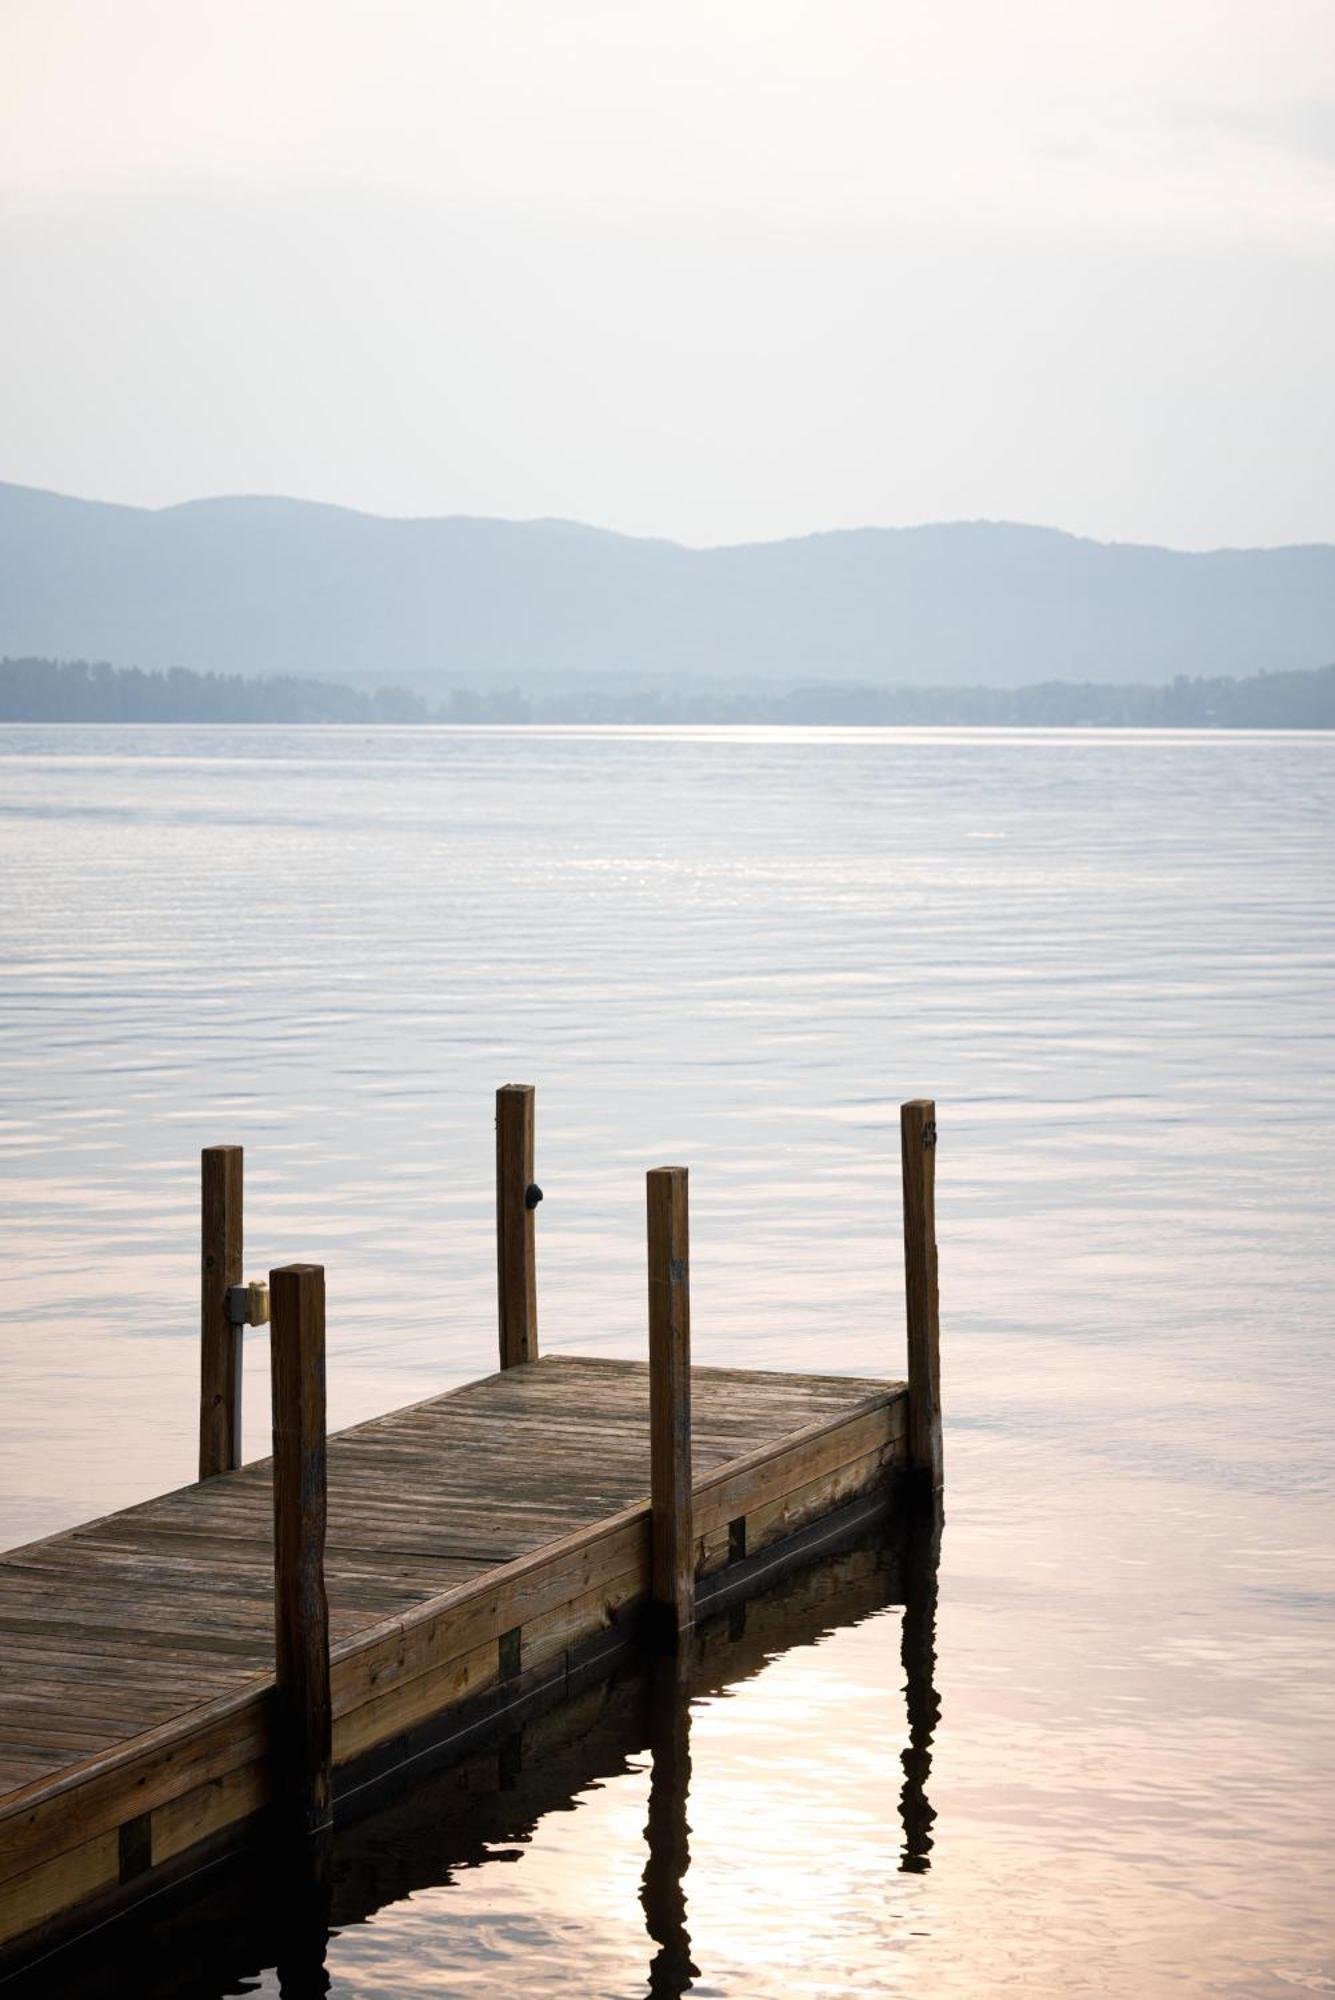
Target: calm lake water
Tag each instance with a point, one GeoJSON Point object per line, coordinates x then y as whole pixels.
{"type": "Point", "coordinates": [1109, 959]}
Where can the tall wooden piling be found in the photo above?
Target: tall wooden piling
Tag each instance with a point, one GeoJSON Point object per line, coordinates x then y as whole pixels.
{"type": "Point", "coordinates": [917, 1133]}
{"type": "Point", "coordinates": [673, 1584]}
{"type": "Point", "coordinates": [303, 1752]}
{"type": "Point", "coordinates": [221, 1224]}
{"type": "Point", "coordinates": [516, 1245]}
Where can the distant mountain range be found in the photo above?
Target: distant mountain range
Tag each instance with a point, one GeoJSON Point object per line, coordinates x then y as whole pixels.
{"type": "Point", "coordinates": [288, 587]}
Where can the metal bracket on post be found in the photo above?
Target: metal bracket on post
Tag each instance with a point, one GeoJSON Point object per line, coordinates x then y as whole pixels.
{"type": "Point", "coordinates": [248, 1305]}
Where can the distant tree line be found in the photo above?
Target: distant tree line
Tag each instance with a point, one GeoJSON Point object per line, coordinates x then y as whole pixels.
{"type": "Point", "coordinates": [1260, 701]}
{"type": "Point", "coordinates": [35, 690]}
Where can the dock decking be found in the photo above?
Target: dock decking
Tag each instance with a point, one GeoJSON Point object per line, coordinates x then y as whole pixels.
{"type": "Point", "coordinates": [472, 1538]}
{"type": "Point", "coordinates": [173, 1674]}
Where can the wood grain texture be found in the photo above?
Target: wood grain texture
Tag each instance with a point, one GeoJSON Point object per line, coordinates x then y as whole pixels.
{"type": "Point", "coordinates": [776, 1519]}
{"type": "Point", "coordinates": [182, 1822]}
{"type": "Point", "coordinates": [670, 1481]}
{"type": "Point", "coordinates": [98, 1793]}
{"type": "Point", "coordinates": [221, 1211]}
{"type": "Point", "coordinates": [54, 1885]}
{"type": "Point", "coordinates": [516, 1235]}
{"type": "Point", "coordinates": [810, 1453]}
{"type": "Point", "coordinates": [917, 1132]}
{"type": "Point", "coordinates": [477, 1613]}
{"type": "Point", "coordinates": [303, 1787]}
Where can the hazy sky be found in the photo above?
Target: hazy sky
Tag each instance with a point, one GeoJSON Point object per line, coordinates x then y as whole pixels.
{"type": "Point", "coordinates": [717, 271]}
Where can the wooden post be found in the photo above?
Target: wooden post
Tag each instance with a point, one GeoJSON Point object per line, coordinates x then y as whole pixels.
{"type": "Point", "coordinates": [220, 1210]}
{"type": "Point", "coordinates": [516, 1250]}
{"type": "Point", "coordinates": [673, 1587]}
{"type": "Point", "coordinates": [917, 1132]}
{"type": "Point", "coordinates": [302, 1716]}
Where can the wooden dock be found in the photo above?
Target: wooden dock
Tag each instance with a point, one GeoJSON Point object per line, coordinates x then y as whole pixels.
{"type": "Point", "coordinates": [251, 1652]}
{"type": "Point", "coordinates": [240, 1919]}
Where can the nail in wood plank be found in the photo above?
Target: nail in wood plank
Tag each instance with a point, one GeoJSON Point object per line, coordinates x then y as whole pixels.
{"type": "Point", "coordinates": [302, 1715]}
{"type": "Point", "coordinates": [917, 1132]}
{"type": "Point", "coordinates": [221, 1222]}
{"type": "Point", "coordinates": [673, 1587]}
{"type": "Point", "coordinates": [516, 1249]}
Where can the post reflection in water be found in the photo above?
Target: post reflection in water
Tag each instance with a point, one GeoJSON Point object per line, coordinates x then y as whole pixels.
{"type": "Point", "coordinates": [667, 1831]}
{"type": "Point", "coordinates": [921, 1561]}
{"type": "Point", "coordinates": [914, 1569]}
{"type": "Point", "coordinates": [302, 1884]}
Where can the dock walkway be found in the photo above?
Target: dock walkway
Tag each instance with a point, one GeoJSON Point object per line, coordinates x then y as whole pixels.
{"type": "Point", "coordinates": [113, 1628]}
{"type": "Point", "coordinates": [253, 1650]}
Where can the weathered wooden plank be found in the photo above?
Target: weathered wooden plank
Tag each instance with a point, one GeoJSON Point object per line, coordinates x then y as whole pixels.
{"type": "Point", "coordinates": [810, 1454]}
{"type": "Point", "coordinates": [619, 1376]}
{"type": "Point", "coordinates": [47, 1751]}
{"type": "Point", "coordinates": [516, 1245]}
{"type": "Point", "coordinates": [98, 1793]}
{"type": "Point", "coordinates": [392, 1551]}
{"type": "Point", "coordinates": [542, 1389]}
{"type": "Point", "coordinates": [223, 1801]}
{"type": "Point", "coordinates": [367, 1544]}
{"type": "Point", "coordinates": [221, 1226]}
{"type": "Point", "coordinates": [302, 1777]}
{"type": "Point", "coordinates": [241, 1568]}
{"type": "Point", "coordinates": [545, 1636]}
{"type": "Point", "coordinates": [43, 1891]}
{"type": "Point", "coordinates": [542, 1392]}
{"type": "Point", "coordinates": [154, 1574]}
{"type": "Point", "coordinates": [409, 1702]}
{"type": "Point", "coordinates": [20, 1769]}
{"type": "Point", "coordinates": [776, 1519]}
{"type": "Point", "coordinates": [713, 1548]}
{"type": "Point", "coordinates": [52, 1597]}
{"type": "Point", "coordinates": [150, 1641]}
{"type": "Point", "coordinates": [28, 1741]}
{"type": "Point", "coordinates": [59, 1712]}
{"type": "Point", "coordinates": [27, 1660]}
{"type": "Point", "coordinates": [70, 1599]}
